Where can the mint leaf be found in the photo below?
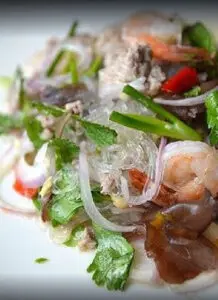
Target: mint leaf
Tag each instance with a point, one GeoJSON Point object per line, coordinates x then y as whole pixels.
{"type": "Point", "coordinates": [211, 104]}
{"type": "Point", "coordinates": [66, 200]}
{"type": "Point", "coordinates": [194, 92]}
{"type": "Point", "coordinates": [112, 261]}
{"type": "Point", "coordinates": [65, 151]}
{"type": "Point", "coordinates": [8, 123]}
{"type": "Point", "coordinates": [41, 260]}
{"type": "Point", "coordinates": [200, 36]}
{"type": "Point", "coordinates": [34, 129]}
{"type": "Point", "coordinates": [101, 135]}
{"type": "Point", "coordinates": [77, 235]}
{"type": "Point", "coordinates": [48, 109]}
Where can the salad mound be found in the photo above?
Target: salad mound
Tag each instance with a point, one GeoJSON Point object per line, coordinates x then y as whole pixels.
{"type": "Point", "coordinates": [111, 142]}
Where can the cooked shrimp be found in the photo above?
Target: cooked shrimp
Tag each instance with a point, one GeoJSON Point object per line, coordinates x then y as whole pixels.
{"type": "Point", "coordinates": [190, 169]}
{"type": "Point", "coordinates": [163, 35]}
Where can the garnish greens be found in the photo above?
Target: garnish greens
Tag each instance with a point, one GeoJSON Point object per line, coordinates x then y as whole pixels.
{"type": "Point", "coordinates": [94, 67]}
{"type": "Point", "coordinates": [37, 203]}
{"type": "Point", "coordinates": [8, 123]}
{"type": "Point", "coordinates": [34, 129]}
{"type": "Point", "coordinates": [74, 71]}
{"type": "Point", "coordinates": [65, 151]}
{"type": "Point", "coordinates": [60, 54]}
{"type": "Point", "coordinates": [171, 127]}
{"type": "Point", "coordinates": [99, 134]}
{"type": "Point", "coordinates": [66, 199]}
{"type": "Point", "coordinates": [194, 92]}
{"type": "Point", "coordinates": [77, 235]}
{"type": "Point", "coordinates": [48, 109]}
{"type": "Point", "coordinates": [212, 116]}
{"type": "Point", "coordinates": [112, 261]}
{"type": "Point", "coordinates": [41, 260]}
{"type": "Point", "coordinates": [198, 35]}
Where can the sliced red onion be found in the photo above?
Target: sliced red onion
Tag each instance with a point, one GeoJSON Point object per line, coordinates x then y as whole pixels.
{"type": "Point", "coordinates": [44, 166]}
{"type": "Point", "coordinates": [89, 204]}
{"type": "Point", "coordinates": [16, 212]}
{"type": "Point", "coordinates": [151, 191]}
{"type": "Point", "coordinates": [186, 101]}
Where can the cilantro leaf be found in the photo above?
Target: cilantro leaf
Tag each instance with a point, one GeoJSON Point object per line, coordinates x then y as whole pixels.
{"type": "Point", "coordinates": [112, 261]}
{"type": "Point", "coordinates": [200, 36]}
{"type": "Point", "coordinates": [66, 200]}
{"type": "Point", "coordinates": [34, 129]}
{"type": "Point", "coordinates": [194, 92]}
{"type": "Point", "coordinates": [212, 116]}
{"type": "Point", "coordinates": [101, 135]}
{"type": "Point", "coordinates": [8, 123]}
{"type": "Point", "coordinates": [41, 260]}
{"type": "Point", "coordinates": [48, 109]}
{"type": "Point", "coordinates": [65, 151]}
{"type": "Point", "coordinates": [77, 235]}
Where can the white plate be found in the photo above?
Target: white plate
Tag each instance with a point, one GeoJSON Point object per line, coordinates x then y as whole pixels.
{"type": "Point", "coordinates": [23, 240]}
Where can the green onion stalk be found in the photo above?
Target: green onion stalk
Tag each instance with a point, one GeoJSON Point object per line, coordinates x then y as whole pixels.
{"type": "Point", "coordinates": [168, 126]}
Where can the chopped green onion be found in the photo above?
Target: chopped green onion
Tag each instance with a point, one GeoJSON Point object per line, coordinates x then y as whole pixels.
{"type": "Point", "coordinates": [23, 103]}
{"type": "Point", "coordinates": [74, 71]}
{"type": "Point", "coordinates": [73, 28]}
{"type": "Point", "coordinates": [94, 67]}
{"type": "Point", "coordinates": [51, 68]}
{"type": "Point", "coordinates": [41, 260]}
{"type": "Point", "coordinates": [174, 128]}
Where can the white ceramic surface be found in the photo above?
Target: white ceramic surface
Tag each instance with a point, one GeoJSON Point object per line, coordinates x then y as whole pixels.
{"type": "Point", "coordinates": [23, 240]}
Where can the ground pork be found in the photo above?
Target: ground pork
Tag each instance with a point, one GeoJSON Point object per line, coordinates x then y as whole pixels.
{"type": "Point", "coordinates": [127, 64]}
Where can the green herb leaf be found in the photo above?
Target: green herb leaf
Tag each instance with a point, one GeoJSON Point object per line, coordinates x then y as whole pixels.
{"type": "Point", "coordinates": [77, 235]}
{"type": "Point", "coordinates": [211, 104]}
{"type": "Point", "coordinates": [34, 129]}
{"type": "Point", "coordinates": [8, 123]}
{"type": "Point", "coordinates": [101, 135]}
{"type": "Point", "coordinates": [112, 261]}
{"type": "Point", "coordinates": [47, 109]}
{"type": "Point", "coordinates": [37, 203]}
{"type": "Point", "coordinates": [41, 260]}
{"type": "Point", "coordinates": [200, 36]}
{"type": "Point", "coordinates": [66, 200]}
{"type": "Point", "coordinates": [194, 92]}
{"type": "Point", "coordinates": [65, 151]}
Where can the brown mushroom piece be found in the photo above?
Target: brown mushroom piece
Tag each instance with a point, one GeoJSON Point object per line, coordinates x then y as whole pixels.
{"type": "Point", "coordinates": [62, 95]}
{"type": "Point", "coordinates": [176, 243]}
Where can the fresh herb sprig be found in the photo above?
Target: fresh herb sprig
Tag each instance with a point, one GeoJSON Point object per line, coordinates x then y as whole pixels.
{"type": "Point", "coordinates": [113, 259]}
{"type": "Point", "coordinates": [99, 134]}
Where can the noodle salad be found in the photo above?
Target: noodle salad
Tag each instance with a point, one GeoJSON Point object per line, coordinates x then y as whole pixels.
{"type": "Point", "coordinates": [111, 141]}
